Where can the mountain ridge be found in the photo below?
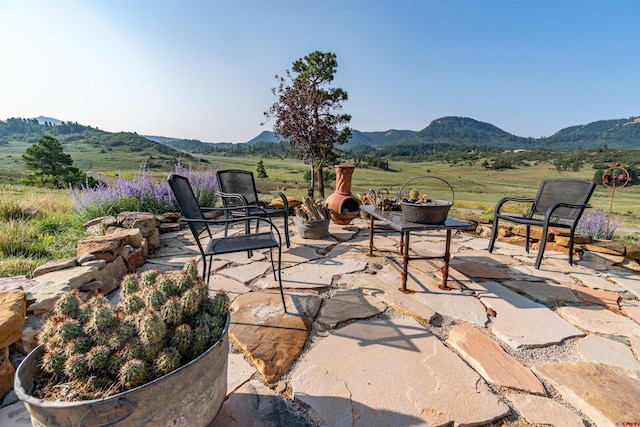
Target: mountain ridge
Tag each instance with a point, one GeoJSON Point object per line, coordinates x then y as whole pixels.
{"type": "Point", "coordinates": [450, 131]}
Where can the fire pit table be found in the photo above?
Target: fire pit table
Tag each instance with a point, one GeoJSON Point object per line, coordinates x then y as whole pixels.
{"type": "Point", "coordinates": [396, 222]}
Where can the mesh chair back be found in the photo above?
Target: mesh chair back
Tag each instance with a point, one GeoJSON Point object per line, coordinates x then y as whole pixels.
{"type": "Point", "coordinates": [187, 201]}
{"type": "Point", "coordinates": [572, 191]}
{"type": "Point", "coordinates": [237, 182]}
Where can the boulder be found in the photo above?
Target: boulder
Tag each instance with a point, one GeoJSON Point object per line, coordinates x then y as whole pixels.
{"type": "Point", "coordinates": [169, 227]}
{"type": "Point", "coordinates": [13, 309]}
{"type": "Point", "coordinates": [7, 373]}
{"type": "Point", "coordinates": [535, 233]}
{"type": "Point", "coordinates": [154, 240]}
{"type": "Point", "coordinates": [29, 339]}
{"type": "Point", "coordinates": [135, 259]}
{"type": "Point", "coordinates": [16, 282]}
{"type": "Point", "coordinates": [633, 252]}
{"type": "Point", "coordinates": [102, 247]}
{"type": "Point", "coordinates": [606, 247]}
{"type": "Point", "coordinates": [171, 216]}
{"type": "Point", "coordinates": [54, 265]}
{"type": "Point", "coordinates": [74, 277]}
{"type": "Point", "coordinates": [46, 294]}
{"type": "Point", "coordinates": [111, 275]}
{"type": "Point", "coordinates": [145, 221]}
{"type": "Point", "coordinates": [97, 226]}
{"type": "Point", "coordinates": [133, 235]}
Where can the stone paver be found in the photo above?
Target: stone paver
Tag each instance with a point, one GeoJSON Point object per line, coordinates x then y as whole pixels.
{"type": "Point", "coordinates": [316, 274]}
{"type": "Point", "coordinates": [342, 377]}
{"type": "Point", "coordinates": [493, 259]}
{"type": "Point", "coordinates": [481, 244]}
{"type": "Point", "coordinates": [346, 305]}
{"type": "Point", "coordinates": [246, 273]}
{"type": "Point", "coordinates": [542, 291]}
{"type": "Point", "coordinates": [255, 404]}
{"type": "Point", "coordinates": [542, 410]}
{"type": "Point", "coordinates": [239, 371]}
{"type": "Point", "coordinates": [491, 361]}
{"type": "Point", "coordinates": [630, 282]}
{"type": "Point", "coordinates": [317, 243]}
{"type": "Point", "coordinates": [243, 258]}
{"type": "Point", "coordinates": [635, 345]}
{"type": "Point", "coordinates": [272, 339]}
{"type": "Point", "coordinates": [232, 287]}
{"type": "Point", "coordinates": [603, 395]}
{"type": "Point", "coordinates": [476, 270]}
{"type": "Point", "coordinates": [598, 319]}
{"type": "Point", "coordinates": [596, 296]}
{"type": "Point", "coordinates": [596, 282]}
{"type": "Point", "coordinates": [530, 273]}
{"type": "Point", "coordinates": [299, 254]}
{"type": "Point", "coordinates": [15, 415]}
{"type": "Point", "coordinates": [597, 349]}
{"type": "Point", "coordinates": [631, 308]}
{"type": "Point", "coordinates": [454, 303]}
{"type": "Point", "coordinates": [521, 322]}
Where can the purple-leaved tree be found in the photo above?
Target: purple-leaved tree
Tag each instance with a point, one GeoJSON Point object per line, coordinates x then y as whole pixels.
{"type": "Point", "coordinates": [305, 113]}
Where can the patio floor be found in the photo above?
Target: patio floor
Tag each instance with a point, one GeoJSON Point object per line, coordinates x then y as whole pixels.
{"type": "Point", "coordinates": [511, 345]}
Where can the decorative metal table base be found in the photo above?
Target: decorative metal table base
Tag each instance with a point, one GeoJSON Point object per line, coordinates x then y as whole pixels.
{"type": "Point", "coordinates": [397, 223]}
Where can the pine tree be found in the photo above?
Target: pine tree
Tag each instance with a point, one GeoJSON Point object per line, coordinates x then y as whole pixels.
{"type": "Point", "coordinates": [262, 172]}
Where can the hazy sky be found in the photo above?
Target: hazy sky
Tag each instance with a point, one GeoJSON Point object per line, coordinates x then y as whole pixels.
{"type": "Point", "coordinates": [204, 69]}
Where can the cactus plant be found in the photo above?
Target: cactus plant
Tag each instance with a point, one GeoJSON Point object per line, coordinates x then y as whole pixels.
{"type": "Point", "coordinates": [97, 349]}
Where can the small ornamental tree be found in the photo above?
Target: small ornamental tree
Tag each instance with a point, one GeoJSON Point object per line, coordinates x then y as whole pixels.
{"type": "Point", "coordinates": [261, 171]}
{"type": "Point", "coordinates": [51, 166]}
{"type": "Point", "coordinates": [305, 112]}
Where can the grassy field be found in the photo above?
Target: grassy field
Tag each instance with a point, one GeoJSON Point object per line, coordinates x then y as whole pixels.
{"type": "Point", "coordinates": [474, 186]}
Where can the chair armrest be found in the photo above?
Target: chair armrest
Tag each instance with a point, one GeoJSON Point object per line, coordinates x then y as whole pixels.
{"type": "Point", "coordinates": [285, 201]}
{"type": "Point", "coordinates": [243, 200]}
{"type": "Point", "coordinates": [505, 200]}
{"type": "Point", "coordinates": [549, 213]}
{"type": "Point", "coordinates": [230, 220]}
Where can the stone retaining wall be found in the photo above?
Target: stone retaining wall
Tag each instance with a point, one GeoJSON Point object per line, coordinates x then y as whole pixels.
{"type": "Point", "coordinates": [607, 253]}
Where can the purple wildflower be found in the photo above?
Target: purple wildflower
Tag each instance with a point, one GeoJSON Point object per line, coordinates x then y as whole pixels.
{"type": "Point", "coordinates": [593, 223]}
{"type": "Point", "coordinates": [142, 193]}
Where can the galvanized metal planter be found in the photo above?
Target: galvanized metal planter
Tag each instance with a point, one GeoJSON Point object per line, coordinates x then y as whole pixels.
{"type": "Point", "coordinates": [191, 395]}
{"type": "Point", "coordinates": [312, 229]}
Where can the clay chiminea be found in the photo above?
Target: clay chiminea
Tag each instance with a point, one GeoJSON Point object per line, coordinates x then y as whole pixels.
{"type": "Point", "coordinates": [343, 206]}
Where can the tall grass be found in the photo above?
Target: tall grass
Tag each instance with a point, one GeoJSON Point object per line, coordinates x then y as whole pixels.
{"type": "Point", "coordinates": [35, 228]}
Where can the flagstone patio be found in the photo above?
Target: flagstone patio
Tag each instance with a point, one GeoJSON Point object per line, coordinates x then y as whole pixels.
{"type": "Point", "coordinates": [510, 345]}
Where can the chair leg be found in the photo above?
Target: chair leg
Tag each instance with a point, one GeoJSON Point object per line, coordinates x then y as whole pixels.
{"type": "Point", "coordinates": [280, 278]}
{"type": "Point", "coordinates": [528, 237]}
{"type": "Point", "coordinates": [286, 230]}
{"type": "Point", "coordinates": [543, 244]}
{"type": "Point", "coordinates": [571, 248]}
{"type": "Point", "coordinates": [204, 269]}
{"type": "Point", "coordinates": [209, 269]}
{"type": "Point", "coordinates": [494, 235]}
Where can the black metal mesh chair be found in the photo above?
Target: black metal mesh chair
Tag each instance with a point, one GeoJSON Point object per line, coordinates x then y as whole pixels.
{"type": "Point", "coordinates": [559, 203]}
{"type": "Point", "coordinates": [238, 190]}
{"type": "Point", "coordinates": [200, 227]}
